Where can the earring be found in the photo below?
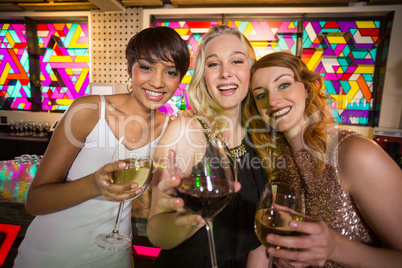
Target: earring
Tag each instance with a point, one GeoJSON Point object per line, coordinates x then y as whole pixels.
{"type": "Point", "coordinates": [129, 86]}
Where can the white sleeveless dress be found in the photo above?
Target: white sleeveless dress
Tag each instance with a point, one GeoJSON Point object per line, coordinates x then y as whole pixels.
{"type": "Point", "coordinates": [67, 238]}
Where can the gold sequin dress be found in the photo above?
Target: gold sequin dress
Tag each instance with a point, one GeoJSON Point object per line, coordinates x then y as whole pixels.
{"type": "Point", "coordinates": [326, 199]}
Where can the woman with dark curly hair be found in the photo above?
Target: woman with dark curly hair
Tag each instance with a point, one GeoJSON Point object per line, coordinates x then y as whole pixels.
{"type": "Point", "coordinates": [351, 186]}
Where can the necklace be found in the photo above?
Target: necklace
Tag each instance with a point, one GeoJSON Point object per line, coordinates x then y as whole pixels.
{"type": "Point", "coordinates": [237, 152]}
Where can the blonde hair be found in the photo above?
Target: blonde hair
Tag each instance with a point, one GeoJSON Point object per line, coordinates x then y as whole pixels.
{"type": "Point", "coordinates": [198, 95]}
{"type": "Point", "coordinates": [314, 135]}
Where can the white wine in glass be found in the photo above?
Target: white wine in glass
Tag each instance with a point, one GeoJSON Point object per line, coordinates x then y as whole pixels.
{"type": "Point", "coordinates": [279, 204]}
{"type": "Point", "coordinates": [138, 170]}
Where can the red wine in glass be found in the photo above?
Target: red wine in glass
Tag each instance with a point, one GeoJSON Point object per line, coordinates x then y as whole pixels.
{"type": "Point", "coordinates": [200, 199]}
{"type": "Point", "coordinates": [207, 182]}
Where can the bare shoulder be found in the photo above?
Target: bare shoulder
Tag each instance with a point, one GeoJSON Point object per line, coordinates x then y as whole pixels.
{"type": "Point", "coordinates": [85, 106]}
{"type": "Point", "coordinates": [182, 125]}
{"type": "Point", "coordinates": [183, 130]}
{"type": "Point", "coordinates": [361, 160]}
{"type": "Point", "coordinates": [358, 145]}
{"type": "Point", "coordinates": [81, 116]}
{"type": "Point", "coordinates": [90, 99]}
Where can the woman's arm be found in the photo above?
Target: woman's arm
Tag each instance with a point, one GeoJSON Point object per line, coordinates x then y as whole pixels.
{"type": "Point", "coordinates": [258, 258]}
{"type": "Point", "coordinates": [49, 191]}
{"type": "Point", "coordinates": [374, 181]}
{"type": "Point", "coordinates": [168, 223]}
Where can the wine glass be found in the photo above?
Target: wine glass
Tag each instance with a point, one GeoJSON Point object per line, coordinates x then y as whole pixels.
{"type": "Point", "coordinates": [206, 182]}
{"type": "Point", "coordinates": [46, 127]}
{"type": "Point", "coordinates": [139, 170]}
{"type": "Point", "coordinates": [25, 127]}
{"type": "Point", "coordinates": [12, 126]}
{"type": "Point", "coordinates": [278, 205]}
{"type": "Point", "coordinates": [39, 128]}
{"type": "Point", "coordinates": [18, 127]}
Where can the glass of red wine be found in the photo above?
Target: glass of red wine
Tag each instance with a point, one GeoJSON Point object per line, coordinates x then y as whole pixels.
{"type": "Point", "coordinates": [207, 185]}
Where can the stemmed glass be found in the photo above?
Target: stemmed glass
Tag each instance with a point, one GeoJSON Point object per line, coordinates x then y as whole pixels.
{"type": "Point", "coordinates": [25, 126]}
{"type": "Point", "coordinates": [18, 127]}
{"type": "Point", "coordinates": [278, 205]}
{"type": "Point", "coordinates": [139, 170]}
{"type": "Point", "coordinates": [46, 127]}
{"type": "Point", "coordinates": [206, 183]}
{"type": "Point", "coordinates": [12, 126]}
{"type": "Point", "coordinates": [39, 127]}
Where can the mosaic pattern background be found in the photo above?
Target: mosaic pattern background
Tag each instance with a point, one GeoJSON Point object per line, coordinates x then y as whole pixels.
{"type": "Point", "coordinates": [64, 63]}
{"type": "Point", "coordinates": [344, 53]}
{"type": "Point", "coordinates": [269, 36]}
{"type": "Point", "coordinates": [14, 67]}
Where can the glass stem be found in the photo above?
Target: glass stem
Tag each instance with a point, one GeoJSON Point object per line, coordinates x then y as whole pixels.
{"type": "Point", "coordinates": [271, 261]}
{"type": "Point", "coordinates": [117, 222]}
{"type": "Point", "coordinates": [211, 243]}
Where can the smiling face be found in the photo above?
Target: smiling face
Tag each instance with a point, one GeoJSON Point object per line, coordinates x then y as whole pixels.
{"type": "Point", "coordinates": [280, 99]}
{"type": "Point", "coordinates": [154, 83]}
{"type": "Point", "coordinates": [227, 70]}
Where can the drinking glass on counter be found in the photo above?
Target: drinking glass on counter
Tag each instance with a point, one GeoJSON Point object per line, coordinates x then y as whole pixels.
{"type": "Point", "coordinates": [12, 126]}
{"type": "Point", "coordinates": [29, 127]}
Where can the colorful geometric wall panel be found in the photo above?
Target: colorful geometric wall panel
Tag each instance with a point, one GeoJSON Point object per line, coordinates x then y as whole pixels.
{"type": "Point", "coordinates": [192, 32]}
{"type": "Point", "coordinates": [14, 67]}
{"type": "Point", "coordinates": [269, 36]}
{"type": "Point", "coordinates": [265, 36]}
{"type": "Point", "coordinates": [344, 53]}
{"type": "Point", "coordinates": [64, 63]}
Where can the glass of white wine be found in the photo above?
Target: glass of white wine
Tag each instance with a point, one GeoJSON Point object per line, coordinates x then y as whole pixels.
{"type": "Point", "coordinates": [139, 170]}
{"type": "Point", "coordinates": [278, 205]}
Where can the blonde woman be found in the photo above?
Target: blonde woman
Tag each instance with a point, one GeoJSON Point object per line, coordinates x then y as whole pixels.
{"type": "Point", "coordinates": [216, 91]}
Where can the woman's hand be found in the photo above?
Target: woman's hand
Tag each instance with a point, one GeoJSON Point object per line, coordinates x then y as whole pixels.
{"type": "Point", "coordinates": [182, 113]}
{"type": "Point", "coordinates": [184, 217]}
{"type": "Point", "coordinates": [314, 248]}
{"type": "Point", "coordinates": [167, 185]}
{"type": "Point", "coordinates": [111, 191]}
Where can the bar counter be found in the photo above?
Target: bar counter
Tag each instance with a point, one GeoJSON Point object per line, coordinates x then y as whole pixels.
{"type": "Point", "coordinates": [15, 145]}
{"type": "Point", "coordinates": [15, 179]}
